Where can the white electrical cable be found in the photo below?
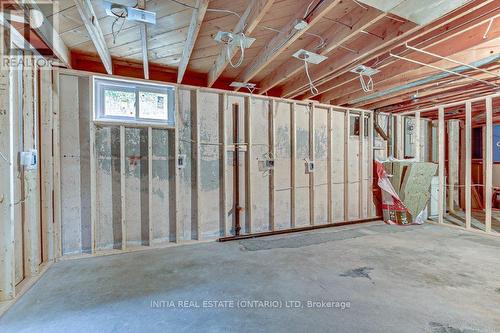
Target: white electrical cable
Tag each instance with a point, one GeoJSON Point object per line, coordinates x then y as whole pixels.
{"type": "Point", "coordinates": [367, 86]}
{"type": "Point", "coordinates": [242, 50]}
{"type": "Point", "coordinates": [312, 88]}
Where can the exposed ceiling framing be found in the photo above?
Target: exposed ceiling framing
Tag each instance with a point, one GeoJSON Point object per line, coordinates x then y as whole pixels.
{"type": "Point", "coordinates": [348, 32]}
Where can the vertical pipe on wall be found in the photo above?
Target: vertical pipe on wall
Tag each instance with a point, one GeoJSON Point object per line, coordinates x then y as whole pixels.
{"type": "Point", "coordinates": [468, 165]}
{"type": "Point", "coordinates": [236, 169]}
{"type": "Point", "coordinates": [329, 165]}
{"type": "Point", "coordinates": [122, 189]}
{"type": "Point", "coordinates": [311, 156]}
{"type": "Point", "coordinates": [248, 162]}
{"type": "Point", "coordinates": [441, 193]}
{"type": "Point", "coordinates": [417, 137]}
{"type": "Point", "coordinates": [489, 164]}
{"type": "Point", "coordinates": [293, 157]}
{"type": "Point", "coordinates": [347, 128]}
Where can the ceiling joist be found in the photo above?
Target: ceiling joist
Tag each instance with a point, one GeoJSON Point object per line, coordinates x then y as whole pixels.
{"type": "Point", "coordinates": [246, 25]}
{"type": "Point", "coordinates": [91, 22]}
{"type": "Point", "coordinates": [333, 39]}
{"type": "Point", "coordinates": [376, 49]}
{"type": "Point", "coordinates": [194, 29]}
{"type": "Point", "coordinates": [285, 38]}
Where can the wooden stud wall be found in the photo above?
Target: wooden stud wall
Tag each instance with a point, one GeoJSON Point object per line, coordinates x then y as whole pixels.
{"type": "Point", "coordinates": [364, 194]}
{"type": "Point", "coordinates": [471, 223]}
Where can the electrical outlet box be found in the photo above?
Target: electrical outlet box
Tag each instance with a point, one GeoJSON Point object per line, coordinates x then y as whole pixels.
{"type": "Point", "coordinates": [364, 70]}
{"type": "Point", "coordinates": [266, 165]}
{"type": "Point", "coordinates": [29, 159]}
{"type": "Point", "coordinates": [181, 161]}
{"type": "Point", "coordinates": [309, 166]}
{"type": "Point", "coordinates": [139, 15]}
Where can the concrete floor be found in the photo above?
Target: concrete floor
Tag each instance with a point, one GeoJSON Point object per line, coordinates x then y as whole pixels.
{"type": "Point", "coordinates": [395, 279]}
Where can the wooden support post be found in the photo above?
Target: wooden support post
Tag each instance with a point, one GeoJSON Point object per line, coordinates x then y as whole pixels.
{"type": "Point", "coordinates": [31, 230]}
{"type": "Point", "coordinates": [293, 158]}
{"type": "Point", "coordinates": [123, 189]}
{"type": "Point", "coordinates": [57, 168]}
{"type": "Point", "coordinates": [468, 165]}
{"type": "Point", "coordinates": [46, 159]}
{"type": "Point", "coordinates": [311, 156]}
{"type": "Point", "coordinates": [248, 163]}
{"type": "Point", "coordinates": [7, 244]}
{"type": "Point", "coordinates": [489, 164]}
{"type": "Point", "coordinates": [197, 153]}
{"type": "Point", "coordinates": [223, 152]}
{"type": "Point", "coordinates": [370, 203]}
{"type": "Point", "coordinates": [272, 150]}
{"type": "Point", "coordinates": [150, 187]}
{"type": "Point", "coordinates": [330, 165]}
{"type": "Point", "coordinates": [417, 137]}
{"type": "Point", "coordinates": [347, 129]}
{"type": "Point", "coordinates": [441, 193]}
{"type": "Point", "coordinates": [177, 171]}
{"type": "Point", "coordinates": [399, 137]}
{"type": "Point", "coordinates": [362, 163]}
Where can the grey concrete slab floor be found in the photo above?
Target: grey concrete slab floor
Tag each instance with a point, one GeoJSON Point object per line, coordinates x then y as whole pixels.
{"type": "Point", "coordinates": [365, 278]}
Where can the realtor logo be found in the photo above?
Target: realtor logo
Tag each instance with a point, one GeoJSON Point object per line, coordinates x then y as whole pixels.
{"type": "Point", "coordinates": [21, 23]}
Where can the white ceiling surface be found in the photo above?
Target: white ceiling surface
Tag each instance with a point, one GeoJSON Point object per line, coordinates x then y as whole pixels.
{"type": "Point", "coordinates": [421, 12]}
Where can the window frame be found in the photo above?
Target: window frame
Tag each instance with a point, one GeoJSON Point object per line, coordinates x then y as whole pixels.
{"type": "Point", "coordinates": [101, 84]}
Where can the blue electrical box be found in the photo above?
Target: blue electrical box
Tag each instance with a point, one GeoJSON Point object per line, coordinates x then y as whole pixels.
{"type": "Point", "coordinates": [496, 143]}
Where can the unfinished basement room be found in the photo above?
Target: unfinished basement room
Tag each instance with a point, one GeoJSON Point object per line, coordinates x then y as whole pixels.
{"type": "Point", "coordinates": [250, 166]}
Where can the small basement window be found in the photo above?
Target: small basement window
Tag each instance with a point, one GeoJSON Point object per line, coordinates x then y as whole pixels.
{"type": "Point", "coordinates": [354, 125]}
{"type": "Point", "coordinates": [128, 101]}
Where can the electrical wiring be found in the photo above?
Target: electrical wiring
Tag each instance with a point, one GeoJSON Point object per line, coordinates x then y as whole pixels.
{"type": "Point", "coordinates": [367, 86]}
{"type": "Point", "coordinates": [208, 9]}
{"type": "Point", "coordinates": [312, 88]}
{"type": "Point", "coordinates": [242, 55]}
{"type": "Point", "coordinates": [308, 7]}
{"type": "Point", "coordinates": [122, 15]}
{"type": "Point", "coordinates": [115, 34]}
{"type": "Point", "coordinates": [322, 40]}
{"type": "Point", "coordinates": [320, 45]}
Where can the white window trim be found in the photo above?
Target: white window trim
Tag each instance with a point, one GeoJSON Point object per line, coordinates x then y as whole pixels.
{"type": "Point", "coordinates": [136, 86]}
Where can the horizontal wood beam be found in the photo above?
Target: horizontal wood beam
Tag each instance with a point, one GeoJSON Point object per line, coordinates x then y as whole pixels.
{"type": "Point", "coordinates": [194, 29]}
{"type": "Point", "coordinates": [284, 39]}
{"type": "Point", "coordinates": [246, 25]}
{"type": "Point", "coordinates": [91, 22]}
